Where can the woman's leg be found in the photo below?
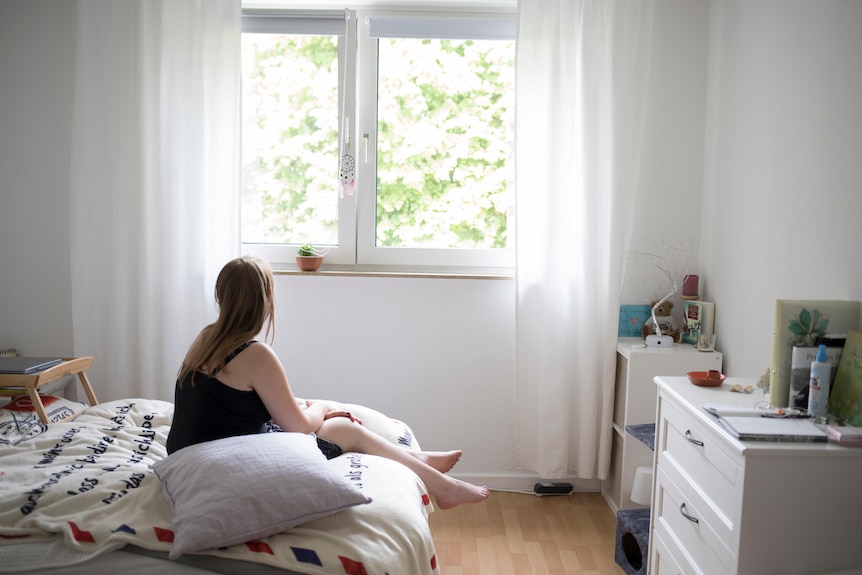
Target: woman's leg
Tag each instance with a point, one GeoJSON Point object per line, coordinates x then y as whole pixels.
{"type": "Point", "coordinates": [447, 491]}
{"type": "Point", "coordinates": [442, 461]}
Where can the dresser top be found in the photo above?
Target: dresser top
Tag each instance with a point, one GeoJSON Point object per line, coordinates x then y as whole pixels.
{"type": "Point", "coordinates": [694, 398]}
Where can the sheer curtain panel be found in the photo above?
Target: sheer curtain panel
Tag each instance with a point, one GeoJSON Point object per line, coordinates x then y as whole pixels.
{"type": "Point", "coordinates": [582, 70]}
{"type": "Point", "coordinates": [154, 182]}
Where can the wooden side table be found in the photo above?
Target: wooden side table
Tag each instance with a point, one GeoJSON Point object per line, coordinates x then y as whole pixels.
{"type": "Point", "coordinates": [33, 381]}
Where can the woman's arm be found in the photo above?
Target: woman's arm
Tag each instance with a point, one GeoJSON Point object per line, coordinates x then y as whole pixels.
{"type": "Point", "coordinates": [264, 373]}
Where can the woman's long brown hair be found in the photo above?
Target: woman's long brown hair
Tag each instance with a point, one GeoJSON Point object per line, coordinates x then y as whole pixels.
{"type": "Point", "coordinates": [244, 294]}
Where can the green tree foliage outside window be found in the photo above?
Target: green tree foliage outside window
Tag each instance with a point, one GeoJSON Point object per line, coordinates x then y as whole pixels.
{"type": "Point", "coordinates": [290, 139]}
{"type": "Point", "coordinates": [443, 144]}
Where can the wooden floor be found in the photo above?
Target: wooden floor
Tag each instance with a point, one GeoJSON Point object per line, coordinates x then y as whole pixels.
{"type": "Point", "coordinates": [522, 534]}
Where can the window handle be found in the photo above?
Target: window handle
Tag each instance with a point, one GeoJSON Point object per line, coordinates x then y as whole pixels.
{"type": "Point", "coordinates": [365, 143]}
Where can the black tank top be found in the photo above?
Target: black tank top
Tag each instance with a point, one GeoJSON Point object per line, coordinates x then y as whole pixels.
{"type": "Point", "coordinates": [210, 410]}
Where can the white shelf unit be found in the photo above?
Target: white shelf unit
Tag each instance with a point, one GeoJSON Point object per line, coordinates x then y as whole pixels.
{"type": "Point", "coordinates": [635, 404]}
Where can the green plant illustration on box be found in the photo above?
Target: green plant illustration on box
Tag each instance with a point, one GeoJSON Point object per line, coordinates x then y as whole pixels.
{"type": "Point", "coordinates": [807, 327]}
{"type": "Point", "coordinates": [845, 400]}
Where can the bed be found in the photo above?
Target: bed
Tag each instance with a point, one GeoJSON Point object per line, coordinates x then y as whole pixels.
{"type": "Point", "coordinates": [96, 493]}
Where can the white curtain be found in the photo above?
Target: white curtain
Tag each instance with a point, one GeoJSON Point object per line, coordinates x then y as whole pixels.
{"type": "Point", "coordinates": [154, 183]}
{"type": "Point", "coordinates": [582, 71]}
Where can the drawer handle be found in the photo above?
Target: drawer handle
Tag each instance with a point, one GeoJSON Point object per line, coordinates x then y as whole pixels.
{"type": "Point", "coordinates": [686, 515]}
{"type": "Point", "coordinates": [691, 440]}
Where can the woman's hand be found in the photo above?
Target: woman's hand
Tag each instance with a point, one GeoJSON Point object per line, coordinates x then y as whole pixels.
{"type": "Point", "coordinates": [342, 413]}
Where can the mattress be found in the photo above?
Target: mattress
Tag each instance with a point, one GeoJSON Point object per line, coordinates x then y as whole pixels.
{"type": "Point", "coordinates": [81, 496]}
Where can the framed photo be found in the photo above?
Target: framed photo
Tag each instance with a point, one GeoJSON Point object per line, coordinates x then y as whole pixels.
{"type": "Point", "coordinates": [799, 323]}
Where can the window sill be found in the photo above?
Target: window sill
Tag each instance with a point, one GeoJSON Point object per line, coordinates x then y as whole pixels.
{"type": "Point", "coordinates": [401, 272]}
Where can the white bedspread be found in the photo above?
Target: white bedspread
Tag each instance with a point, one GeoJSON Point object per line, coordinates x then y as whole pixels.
{"type": "Point", "coordinates": [88, 483]}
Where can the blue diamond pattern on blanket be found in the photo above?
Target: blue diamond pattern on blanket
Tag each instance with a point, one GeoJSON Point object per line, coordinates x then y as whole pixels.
{"type": "Point", "coordinates": [306, 556]}
{"type": "Point", "coordinates": [124, 529]}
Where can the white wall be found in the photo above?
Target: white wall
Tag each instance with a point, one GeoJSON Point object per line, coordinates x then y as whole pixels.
{"type": "Point", "coordinates": [37, 41]}
{"type": "Point", "coordinates": [671, 172]}
{"type": "Point", "coordinates": [437, 353]}
{"type": "Point", "coordinates": [783, 184]}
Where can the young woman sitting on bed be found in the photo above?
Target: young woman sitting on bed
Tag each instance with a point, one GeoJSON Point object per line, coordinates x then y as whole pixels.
{"type": "Point", "coordinates": [231, 385]}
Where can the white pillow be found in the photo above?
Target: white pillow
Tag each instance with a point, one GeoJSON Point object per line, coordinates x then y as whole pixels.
{"type": "Point", "coordinates": [240, 489]}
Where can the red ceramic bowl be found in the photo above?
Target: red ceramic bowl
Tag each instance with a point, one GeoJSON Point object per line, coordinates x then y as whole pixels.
{"type": "Point", "coordinates": [711, 378]}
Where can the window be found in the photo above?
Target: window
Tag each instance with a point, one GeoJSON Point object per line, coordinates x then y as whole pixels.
{"type": "Point", "coordinates": [384, 137]}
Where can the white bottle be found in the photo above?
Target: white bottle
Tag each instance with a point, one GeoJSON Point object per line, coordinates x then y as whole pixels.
{"type": "Point", "coordinates": [818, 385]}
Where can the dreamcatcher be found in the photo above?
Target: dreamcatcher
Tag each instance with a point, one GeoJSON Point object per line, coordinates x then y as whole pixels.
{"type": "Point", "coordinates": [346, 173]}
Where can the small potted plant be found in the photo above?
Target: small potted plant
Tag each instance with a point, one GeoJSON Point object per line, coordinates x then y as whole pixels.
{"type": "Point", "coordinates": [307, 258]}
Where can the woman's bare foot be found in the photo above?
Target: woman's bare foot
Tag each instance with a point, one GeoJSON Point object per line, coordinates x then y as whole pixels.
{"type": "Point", "coordinates": [442, 461]}
{"type": "Point", "coordinates": [456, 492]}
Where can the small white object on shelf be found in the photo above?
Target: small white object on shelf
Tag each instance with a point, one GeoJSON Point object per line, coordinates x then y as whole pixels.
{"type": "Point", "coordinates": [642, 487]}
{"type": "Point", "coordinates": [655, 340]}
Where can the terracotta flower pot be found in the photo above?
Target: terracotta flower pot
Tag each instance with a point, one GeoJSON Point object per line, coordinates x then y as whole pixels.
{"type": "Point", "coordinates": [309, 263]}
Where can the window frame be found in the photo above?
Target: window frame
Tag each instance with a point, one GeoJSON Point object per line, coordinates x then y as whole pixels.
{"type": "Point", "coordinates": [357, 249]}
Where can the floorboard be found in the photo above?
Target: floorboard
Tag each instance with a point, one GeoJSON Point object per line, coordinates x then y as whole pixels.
{"type": "Point", "coordinates": [521, 534]}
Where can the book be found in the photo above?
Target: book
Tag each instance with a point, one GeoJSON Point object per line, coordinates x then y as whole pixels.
{"type": "Point", "coordinates": [847, 435]}
{"type": "Point", "coordinates": [845, 399]}
{"type": "Point", "coordinates": [773, 429]}
{"type": "Point", "coordinates": [725, 410]}
{"type": "Point", "coordinates": [699, 319]}
{"type": "Point", "coordinates": [27, 365]}
{"type": "Point", "coordinates": [632, 319]}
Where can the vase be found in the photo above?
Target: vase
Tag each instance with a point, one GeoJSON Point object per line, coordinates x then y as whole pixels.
{"type": "Point", "coordinates": [309, 263]}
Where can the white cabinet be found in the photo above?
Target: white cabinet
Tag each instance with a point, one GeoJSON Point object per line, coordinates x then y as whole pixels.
{"type": "Point", "coordinates": [635, 404]}
{"type": "Point", "coordinates": [723, 506]}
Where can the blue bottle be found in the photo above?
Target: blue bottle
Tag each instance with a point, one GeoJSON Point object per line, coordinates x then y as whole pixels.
{"type": "Point", "coordinates": [818, 385]}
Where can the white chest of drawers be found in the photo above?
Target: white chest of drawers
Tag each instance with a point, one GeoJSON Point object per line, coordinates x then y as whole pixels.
{"type": "Point", "coordinates": [723, 506]}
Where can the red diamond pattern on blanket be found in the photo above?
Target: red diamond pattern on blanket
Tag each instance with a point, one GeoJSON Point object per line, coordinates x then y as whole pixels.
{"type": "Point", "coordinates": [352, 567]}
{"type": "Point", "coordinates": [259, 547]}
{"type": "Point", "coordinates": [433, 562]}
{"type": "Point", "coordinates": [426, 499]}
{"type": "Point", "coordinates": [164, 535]}
{"type": "Point", "coordinates": [81, 535]}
